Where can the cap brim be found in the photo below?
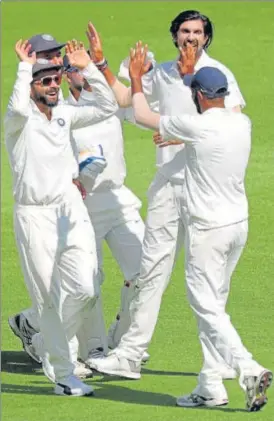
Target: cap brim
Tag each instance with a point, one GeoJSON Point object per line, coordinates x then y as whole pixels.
{"type": "Point", "coordinates": [37, 68]}
{"type": "Point", "coordinates": [56, 47]}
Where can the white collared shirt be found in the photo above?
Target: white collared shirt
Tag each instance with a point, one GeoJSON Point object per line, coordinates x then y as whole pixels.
{"type": "Point", "coordinates": [109, 134]}
{"type": "Point", "coordinates": [217, 148]}
{"type": "Point", "coordinates": [165, 85]}
{"type": "Point", "coordinates": [39, 150]}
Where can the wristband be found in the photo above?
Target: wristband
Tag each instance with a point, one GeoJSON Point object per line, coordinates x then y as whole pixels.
{"type": "Point", "coordinates": [102, 65]}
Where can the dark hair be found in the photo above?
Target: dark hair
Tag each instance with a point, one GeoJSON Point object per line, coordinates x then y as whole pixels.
{"type": "Point", "coordinates": [192, 15]}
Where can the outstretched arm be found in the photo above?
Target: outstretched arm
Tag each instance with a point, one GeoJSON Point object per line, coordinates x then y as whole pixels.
{"type": "Point", "coordinates": [122, 93]}
{"type": "Point", "coordinates": [19, 102]}
{"type": "Point", "coordinates": [106, 104]}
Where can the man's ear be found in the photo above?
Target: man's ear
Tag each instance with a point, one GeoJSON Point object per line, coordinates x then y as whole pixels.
{"type": "Point", "coordinates": [200, 95]}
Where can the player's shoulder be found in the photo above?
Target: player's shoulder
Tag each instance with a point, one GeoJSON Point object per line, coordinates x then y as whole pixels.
{"type": "Point", "coordinates": [166, 66]}
{"type": "Point", "coordinates": [212, 62]}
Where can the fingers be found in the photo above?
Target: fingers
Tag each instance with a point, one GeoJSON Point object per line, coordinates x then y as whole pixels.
{"type": "Point", "coordinates": [92, 32]}
{"type": "Point", "coordinates": [132, 53]}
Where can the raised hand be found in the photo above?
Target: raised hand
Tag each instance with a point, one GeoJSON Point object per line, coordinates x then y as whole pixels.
{"type": "Point", "coordinates": [77, 54]}
{"type": "Point", "coordinates": [187, 58]}
{"type": "Point", "coordinates": [95, 44]}
{"type": "Point", "coordinates": [22, 49]}
{"type": "Point", "coordinates": [138, 65]}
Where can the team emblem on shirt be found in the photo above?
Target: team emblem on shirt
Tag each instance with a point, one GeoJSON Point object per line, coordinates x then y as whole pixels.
{"type": "Point", "coordinates": [61, 122]}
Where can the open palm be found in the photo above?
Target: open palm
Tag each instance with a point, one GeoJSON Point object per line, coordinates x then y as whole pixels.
{"type": "Point", "coordinates": [77, 54]}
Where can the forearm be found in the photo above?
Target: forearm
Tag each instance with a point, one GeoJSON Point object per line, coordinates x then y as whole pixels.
{"type": "Point", "coordinates": [142, 112]}
{"type": "Point", "coordinates": [20, 98]}
{"type": "Point", "coordinates": [100, 88]}
{"type": "Point", "coordinates": [122, 93]}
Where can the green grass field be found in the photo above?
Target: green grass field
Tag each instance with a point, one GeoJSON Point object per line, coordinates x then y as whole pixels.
{"type": "Point", "coordinates": [244, 42]}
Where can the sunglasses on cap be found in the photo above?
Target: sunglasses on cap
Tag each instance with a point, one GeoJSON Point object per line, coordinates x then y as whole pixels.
{"type": "Point", "coordinates": [48, 80]}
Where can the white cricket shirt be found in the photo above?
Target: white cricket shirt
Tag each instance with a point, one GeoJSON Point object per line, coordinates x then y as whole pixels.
{"type": "Point", "coordinates": [40, 150]}
{"type": "Point", "coordinates": [217, 148]}
{"type": "Point", "coordinates": [165, 85]}
{"type": "Point", "coordinates": [109, 134]}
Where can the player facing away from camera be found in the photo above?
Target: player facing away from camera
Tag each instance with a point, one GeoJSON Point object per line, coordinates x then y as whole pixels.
{"type": "Point", "coordinates": [54, 236]}
{"type": "Point", "coordinates": [169, 85]}
{"type": "Point", "coordinates": [112, 207]}
{"type": "Point", "coordinates": [217, 147]}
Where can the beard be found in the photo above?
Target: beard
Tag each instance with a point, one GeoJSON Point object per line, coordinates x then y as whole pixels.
{"type": "Point", "coordinates": [43, 99]}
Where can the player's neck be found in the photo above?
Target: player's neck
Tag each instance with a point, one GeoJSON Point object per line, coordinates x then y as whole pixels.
{"type": "Point", "coordinates": [75, 93]}
{"type": "Point", "coordinates": [45, 109]}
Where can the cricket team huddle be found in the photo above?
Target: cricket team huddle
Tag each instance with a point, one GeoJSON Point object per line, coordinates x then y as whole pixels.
{"type": "Point", "coordinates": [67, 160]}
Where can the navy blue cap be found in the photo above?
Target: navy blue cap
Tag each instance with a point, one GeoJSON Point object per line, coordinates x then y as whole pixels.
{"type": "Point", "coordinates": [67, 65]}
{"type": "Point", "coordinates": [44, 42]}
{"type": "Point", "coordinates": [42, 65]}
{"type": "Point", "coordinates": [211, 82]}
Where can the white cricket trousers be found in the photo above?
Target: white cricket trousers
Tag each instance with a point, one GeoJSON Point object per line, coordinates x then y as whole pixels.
{"type": "Point", "coordinates": [58, 255]}
{"type": "Point", "coordinates": [164, 237]}
{"type": "Point", "coordinates": [123, 230]}
{"type": "Point", "coordinates": [210, 259]}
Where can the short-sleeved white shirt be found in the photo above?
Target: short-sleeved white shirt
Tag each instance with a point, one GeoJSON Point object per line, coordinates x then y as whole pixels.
{"type": "Point", "coordinates": [172, 92]}
{"type": "Point", "coordinates": [217, 148]}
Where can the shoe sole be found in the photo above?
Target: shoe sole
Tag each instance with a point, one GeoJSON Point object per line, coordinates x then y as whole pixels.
{"type": "Point", "coordinates": [16, 332]}
{"type": "Point", "coordinates": [263, 383]}
{"type": "Point", "coordinates": [125, 374]}
{"type": "Point", "coordinates": [207, 403]}
{"type": "Point", "coordinates": [60, 392]}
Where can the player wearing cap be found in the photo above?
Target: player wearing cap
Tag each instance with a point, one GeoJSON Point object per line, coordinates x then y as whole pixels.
{"type": "Point", "coordinates": [168, 84]}
{"type": "Point", "coordinates": [112, 207]}
{"type": "Point", "coordinates": [217, 147]}
{"type": "Point", "coordinates": [54, 236]}
{"type": "Point", "coordinates": [47, 47]}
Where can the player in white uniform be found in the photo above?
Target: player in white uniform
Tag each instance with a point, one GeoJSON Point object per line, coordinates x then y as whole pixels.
{"type": "Point", "coordinates": [168, 83]}
{"type": "Point", "coordinates": [217, 147]}
{"type": "Point", "coordinates": [25, 324]}
{"type": "Point", "coordinates": [54, 236]}
{"type": "Point", "coordinates": [113, 210]}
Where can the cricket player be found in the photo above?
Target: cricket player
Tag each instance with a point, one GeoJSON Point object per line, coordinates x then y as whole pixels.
{"type": "Point", "coordinates": [112, 207]}
{"type": "Point", "coordinates": [25, 324]}
{"type": "Point", "coordinates": [217, 147]}
{"type": "Point", "coordinates": [169, 85]}
{"type": "Point", "coordinates": [55, 238]}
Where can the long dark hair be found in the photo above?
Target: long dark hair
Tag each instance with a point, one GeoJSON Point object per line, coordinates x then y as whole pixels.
{"type": "Point", "coordinates": [192, 15]}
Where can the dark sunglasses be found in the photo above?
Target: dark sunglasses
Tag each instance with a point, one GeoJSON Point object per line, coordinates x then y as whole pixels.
{"type": "Point", "coordinates": [47, 80]}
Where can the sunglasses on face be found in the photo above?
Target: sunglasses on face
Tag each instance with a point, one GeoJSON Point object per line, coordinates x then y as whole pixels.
{"type": "Point", "coordinates": [48, 80]}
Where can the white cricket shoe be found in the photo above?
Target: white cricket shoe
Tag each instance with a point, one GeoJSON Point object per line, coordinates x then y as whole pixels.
{"type": "Point", "coordinates": [82, 371]}
{"type": "Point", "coordinates": [93, 355]}
{"type": "Point", "coordinates": [256, 388]}
{"type": "Point", "coordinates": [72, 386]}
{"type": "Point", "coordinates": [145, 357]}
{"type": "Point", "coordinates": [116, 365]}
{"type": "Point", "coordinates": [193, 400]}
{"type": "Point", "coordinates": [23, 330]}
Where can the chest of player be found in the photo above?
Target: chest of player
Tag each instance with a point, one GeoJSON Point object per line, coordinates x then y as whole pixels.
{"type": "Point", "coordinates": [174, 93]}
{"type": "Point", "coordinates": [47, 139]}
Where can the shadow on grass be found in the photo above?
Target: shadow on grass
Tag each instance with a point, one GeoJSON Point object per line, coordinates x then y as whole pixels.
{"type": "Point", "coordinates": [114, 393]}
{"type": "Point", "coordinates": [19, 362]}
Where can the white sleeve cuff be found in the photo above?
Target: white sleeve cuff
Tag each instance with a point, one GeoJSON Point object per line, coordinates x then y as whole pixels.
{"type": "Point", "coordinates": [89, 70]}
{"type": "Point", "coordinates": [24, 65]}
